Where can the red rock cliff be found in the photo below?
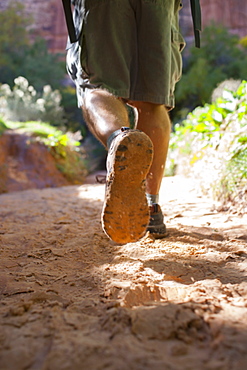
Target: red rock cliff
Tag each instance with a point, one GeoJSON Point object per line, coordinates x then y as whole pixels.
{"type": "Point", "coordinates": [49, 18]}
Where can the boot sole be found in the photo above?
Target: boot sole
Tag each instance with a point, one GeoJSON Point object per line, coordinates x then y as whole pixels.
{"type": "Point", "coordinates": [158, 232]}
{"type": "Point", "coordinates": [125, 214]}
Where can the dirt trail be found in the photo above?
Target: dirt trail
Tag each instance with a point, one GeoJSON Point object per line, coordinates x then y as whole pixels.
{"type": "Point", "coordinates": [71, 299]}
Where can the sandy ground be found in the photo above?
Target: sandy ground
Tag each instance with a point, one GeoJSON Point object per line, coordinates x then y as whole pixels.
{"type": "Point", "coordinates": [72, 299]}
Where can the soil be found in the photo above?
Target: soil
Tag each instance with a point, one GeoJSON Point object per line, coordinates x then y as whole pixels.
{"type": "Point", "coordinates": [72, 299]}
{"type": "Point", "coordinates": [26, 163]}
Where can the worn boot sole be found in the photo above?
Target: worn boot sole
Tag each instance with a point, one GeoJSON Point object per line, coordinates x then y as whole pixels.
{"type": "Point", "coordinates": [125, 212]}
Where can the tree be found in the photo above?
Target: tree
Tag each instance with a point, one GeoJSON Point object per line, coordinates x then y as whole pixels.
{"type": "Point", "coordinates": [41, 67]}
{"type": "Point", "coordinates": [20, 57]}
{"type": "Point", "coordinates": [13, 33]}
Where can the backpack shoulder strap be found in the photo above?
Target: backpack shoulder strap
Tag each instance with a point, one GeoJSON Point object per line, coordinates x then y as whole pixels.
{"type": "Point", "coordinates": [69, 20]}
{"type": "Point", "coordinates": [195, 11]}
{"type": "Point", "coordinates": [197, 20]}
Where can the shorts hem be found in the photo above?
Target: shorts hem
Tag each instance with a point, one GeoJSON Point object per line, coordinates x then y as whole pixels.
{"type": "Point", "coordinates": [169, 102]}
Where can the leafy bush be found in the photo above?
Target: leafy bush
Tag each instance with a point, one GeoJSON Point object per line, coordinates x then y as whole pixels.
{"type": "Point", "coordinates": [211, 144]}
{"type": "Point", "coordinates": [3, 126]}
{"type": "Point", "coordinates": [46, 133]}
{"type": "Point", "coordinates": [23, 53]}
{"type": "Point", "coordinates": [13, 32]}
{"type": "Point", "coordinates": [221, 56]}
{"type": "Point", "coordinates": [40, 66]}
{"type": "Point", "coordinates": [23, 103]}
{"type": "Point", "coordinates": [74, 118]}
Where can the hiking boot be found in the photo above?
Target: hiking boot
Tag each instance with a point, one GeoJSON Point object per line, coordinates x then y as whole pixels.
{"type": "Point", "coordinates": [156, 225]}
{"type": "Point", "coordinates": [125, 212]}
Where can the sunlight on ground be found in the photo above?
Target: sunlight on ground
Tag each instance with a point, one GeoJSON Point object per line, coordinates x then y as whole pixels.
{"type": "Point", "coordinates": [172, 188]}
{"type": "Point", "coordinates": [94, 192]}
{"type": "Point", "coordinates": [182, 202]}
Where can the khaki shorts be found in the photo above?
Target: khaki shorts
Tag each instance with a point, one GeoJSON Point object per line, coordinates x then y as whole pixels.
{"type": "Point", "coordinates": [132, 48]}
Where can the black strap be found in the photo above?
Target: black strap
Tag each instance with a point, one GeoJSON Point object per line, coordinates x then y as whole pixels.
{"type": "Point", "coordinates": [197, 20]}
{"type": "Point", "coordinates": [69, 20]}
{"type": "Point", "coordinates": [195, 11]}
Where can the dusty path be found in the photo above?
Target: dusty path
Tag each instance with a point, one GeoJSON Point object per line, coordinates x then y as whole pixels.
{"type": "Point", "coordinates": [71, 299]}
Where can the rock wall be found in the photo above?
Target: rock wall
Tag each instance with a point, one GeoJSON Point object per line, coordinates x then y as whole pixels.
{"type": "Point", "coordinates": [49, 18]}
{"type": "Point", "coordinates": [230, 13]}
{"type": "Point", "coordinates": [26, 164]}
{"type": "Point", "coordinates": [48, 21]}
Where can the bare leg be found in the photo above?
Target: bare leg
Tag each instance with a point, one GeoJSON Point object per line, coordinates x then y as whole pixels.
{"type": "Point", "coordinates": [104, 113]}
{"type": "Point", "coordinates": [154, 121]}
{"type": "Point", "coordinates": [125, 213]}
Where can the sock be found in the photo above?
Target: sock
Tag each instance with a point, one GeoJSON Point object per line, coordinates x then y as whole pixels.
{"type": "Point", "coordinates": [152, 199]}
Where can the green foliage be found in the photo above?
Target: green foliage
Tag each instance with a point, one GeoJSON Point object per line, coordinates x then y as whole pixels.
{"type": "Point", "coordinates": [214, 138]}
{"type": "Point", "coordinates": [13, 34]}
{"type": "Point", "coordinates": [243, 42]}
{"type": "Point", "coordinates": [35, 63]}
{"type": "Point", "coordinates": [72, 165]}
{"type": "Point", "coordinates": [74, 119]}
{"type": "Point", "coordinates": [18, 56]}
{"type": "Point", "coordinates": [23, 103]}
{"type": "Point", "coordinates": [46, 133]}
{"type": "Point", "coordinates": [64, 147]}
{"type": "Point", "coordinates": [3, 126]}
{"type": "Point", "coordinates": [219, 58]}
{"type": "Point", "coordinates": [39, 66]}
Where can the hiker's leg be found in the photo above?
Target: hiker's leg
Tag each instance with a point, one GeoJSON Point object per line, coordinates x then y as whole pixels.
{"type": "Point", "coordinates": [125, 213]}
{"type": "Point", "coordinates": [154, 121]}
{"type": "Point", "coordinates": [104, 113]}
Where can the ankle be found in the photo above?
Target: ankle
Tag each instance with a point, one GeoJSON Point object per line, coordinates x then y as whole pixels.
{"type": "Point", "coordinates": [152, 199]}
{"type": "Point", "coordinates": [115, 134]}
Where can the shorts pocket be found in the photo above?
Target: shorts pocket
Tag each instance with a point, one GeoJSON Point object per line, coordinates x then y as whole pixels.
{"type": "Point", "coordinates": [177, 46]}
{"type": "Point", "coordinates": [178, 40]}
{"type": "Point", "coordinates": [84, 55]}
{"type": "Point", "coordinates": [154, 1]}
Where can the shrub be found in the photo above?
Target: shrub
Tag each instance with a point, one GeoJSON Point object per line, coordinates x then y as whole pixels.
{"type": "Point", "coordinates": [39, 66]}
{"type": "Point", "coordinates": [74, 118]}
{"type": "Point", "coordinates": [211, 144]}
{"type": "Point", "coordinates": [23, 103]}
{"type": "Point", "coordinates": [20, 56]}
{"type": "Point", "coordinates": [220, 57]}
{"type": "Point", "coordinates": [3, 126]}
